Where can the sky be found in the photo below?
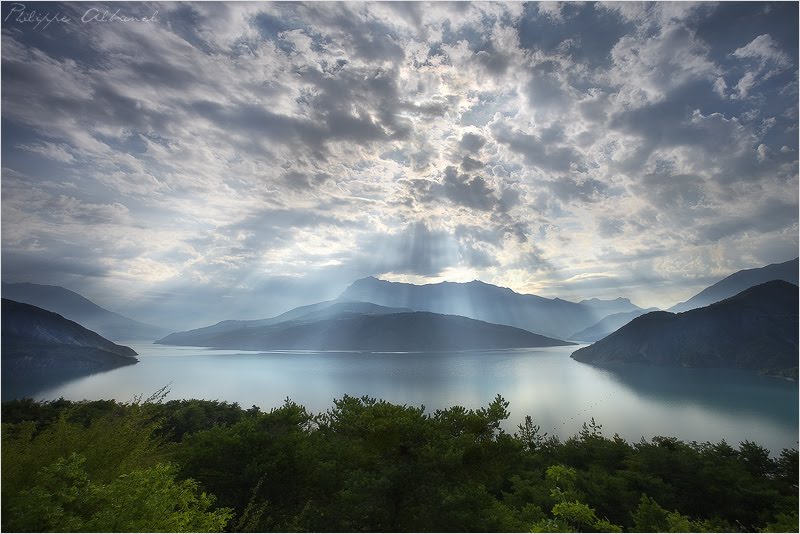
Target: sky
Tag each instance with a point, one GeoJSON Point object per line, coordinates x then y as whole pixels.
{"type": "Point", "coordinates": [184, 163]}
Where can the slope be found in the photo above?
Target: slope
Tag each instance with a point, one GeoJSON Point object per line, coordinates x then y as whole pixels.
{"type": "Point", "coordinates": [607, 325]}
{"type": "Point", "coordinates": [81, 310]}
{"type": "Point", "coordinates": [407, 331]}
{"type": "Point", "coordinates": [756, 329]}
{"type": "Point", "coordinates": [738, 282]}
{"type": "Point", "coordinates": [39, 346]}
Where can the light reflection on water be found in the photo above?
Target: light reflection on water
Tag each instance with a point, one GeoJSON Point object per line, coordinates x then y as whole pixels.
{"type": "Point", "coordinates": [558, 392]}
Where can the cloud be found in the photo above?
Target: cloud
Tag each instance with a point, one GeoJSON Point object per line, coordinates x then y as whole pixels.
{"type": "Point", "coordinates": [536, 152]}
{"type": "Point", "coordinates": [247, 149]}
{"type": "Point", "coordinates": [767, 216]}
{"type": "Point", "coordinates": [586, 189]}
{"type": "Point", "coordinates": [57, 152]}
{"type": "Point", "coordinates": [765, 49]}
{"type": "Point", "coordinates": [472, 142]}
{"type": "Point", "coordinates": [660, 63]}
{"type": "Point", "coordinates": [766, 60]}
{"type": "Point", "coordinates": [468, 164]}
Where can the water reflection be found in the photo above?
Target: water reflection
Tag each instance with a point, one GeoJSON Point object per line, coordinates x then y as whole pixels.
{"type": "Point", "coordinates": [730, 391]}
{"type": "Point", "coordinates": [558, 392]}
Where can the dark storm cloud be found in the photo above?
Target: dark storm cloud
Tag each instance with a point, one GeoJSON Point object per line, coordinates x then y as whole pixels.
{"type": "Point", "coordinates": [472, 192]}
{"type": "Point", "coordinates": [493, 61]}
{"type": "Point", "coordinates": [590, 32]}
{"type": "Point", "coordinates": [462, 189]}
{"type": "Point", "coordinates": [364, 37]}
{"type": "Point", "coordinates": [585, 189]}
{"type": "Point", "coordinates": [667, 122]}
{"type": "Point", "coordinates": [472, 142]}
{"type": "Point", "coordinates": [256, 120]}
{"type": "Point", "coordinates": [774, 214]}
{"type": "Point", "coordinates": [371, 92]}
{"type": "Point", "coordinates": [538, 153]}
{"type": "Point", "coordinates": [725, 145]}
{"type": "Point", "coordinates": [545, 89]}
{"type": "Point", "coordinates": [468, 164]}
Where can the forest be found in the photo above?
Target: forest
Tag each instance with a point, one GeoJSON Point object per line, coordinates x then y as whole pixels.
{"type": "Point", "coordinates": [152, 465]}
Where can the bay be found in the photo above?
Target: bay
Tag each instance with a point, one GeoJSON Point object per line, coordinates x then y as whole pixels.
{"type": "Point", "coordinates": [559, 393]}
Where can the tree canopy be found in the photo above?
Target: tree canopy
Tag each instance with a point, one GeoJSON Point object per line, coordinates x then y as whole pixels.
{"type": "Point", "coordinates": [369, 465]}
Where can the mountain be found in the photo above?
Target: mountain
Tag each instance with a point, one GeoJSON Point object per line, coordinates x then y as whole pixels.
{"type": "Point", "coordinates": [39, 346]}
{"type": "Point", "coordinates": [738, 282]}
{"type": "Point", "coordinates": [81, 310]}
{"type": "Point", "coordinates": [200, 337]}
{"type": "Point", "coordinates": [349, 330]}
{"type": "Point", "coordinates": [756, 329]}
{"type": "Point", "coordinates": [478, 300]}
{"type": "Point", "coordinates": [618, 305]}
{"type": "Point", "coordinates": [608, 324]}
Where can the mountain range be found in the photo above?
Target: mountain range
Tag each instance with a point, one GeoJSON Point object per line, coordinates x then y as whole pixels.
{"type": "Point", "coordinates": [83, 311]}
{"type": "Point", "coordinates": [552, 319]}
{"type": "Point", "coordinates": [756, 329]}
{"type": "Point", "coordinates": [40, 347]}
{"type": "Point", "coordinates": [362, 326]}
{"type": "Point", "coordinates": [478, 300]}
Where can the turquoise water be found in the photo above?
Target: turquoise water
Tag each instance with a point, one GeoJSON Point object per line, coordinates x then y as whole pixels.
{"type": "Point", "coordinates": [558, 392]}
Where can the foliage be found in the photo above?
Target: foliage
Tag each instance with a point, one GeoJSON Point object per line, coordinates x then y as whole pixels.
{"type": "Point", "coordinates": [64, 498]}
{"type": "Point", "coordinates": [569, 514]}
{"type": "Point", "coordinates": [95, 467]}
{"type": "Point", "coordinates": [369, 465]}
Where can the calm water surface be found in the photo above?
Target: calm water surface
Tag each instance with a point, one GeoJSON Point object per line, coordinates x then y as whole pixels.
{"type": "Point", "coordinates": [558, 392]}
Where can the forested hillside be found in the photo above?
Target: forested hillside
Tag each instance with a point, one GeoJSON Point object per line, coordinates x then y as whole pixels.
{"type": "Point", "coordinates": [368, 465]}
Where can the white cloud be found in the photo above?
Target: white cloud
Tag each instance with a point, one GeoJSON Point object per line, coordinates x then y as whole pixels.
{"type": "Point", "coordinates": [246, 143]}
{"type": "Point", "coordinates": [766, 50]}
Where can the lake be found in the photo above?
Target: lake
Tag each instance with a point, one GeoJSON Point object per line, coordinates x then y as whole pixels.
{"type": "Point", "coordinates": [558, 392]}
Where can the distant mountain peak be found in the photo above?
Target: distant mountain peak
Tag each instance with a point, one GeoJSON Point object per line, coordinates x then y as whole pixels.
{"type": "Point", "coordinates": [738, 282]}
{"type": "Point", "coordinates": [479, 300]}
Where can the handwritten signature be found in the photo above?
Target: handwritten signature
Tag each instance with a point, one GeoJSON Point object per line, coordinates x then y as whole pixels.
{"type": "Point", "coordinates": [42, 19]}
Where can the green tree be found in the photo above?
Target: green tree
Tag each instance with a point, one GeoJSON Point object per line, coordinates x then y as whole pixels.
{"type": "Point", "coordinates": [144, 500]}
{"type": "Point", "coordinates": [569, 514]}
{"type": "Point", "coordinates": [650, 517]}
{"type": "Point", "coordinates": [68, 474]}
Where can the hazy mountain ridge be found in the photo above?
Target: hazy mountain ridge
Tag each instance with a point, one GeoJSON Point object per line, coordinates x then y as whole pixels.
{"type": "Point", "coordinates": [608, 325]}
{"type": "Point", "coordinates": [78, 308]}
{"type": "Point", "coordinates": [478, 300]}
{"type": "Point", "coordinates": [611, 306]}
{"type": "Point", "coordinates": [756, 329]}
{"type": "Point", "coordinates": [39, 346]}
{"type": "Point", "coordinates": [320, 310]}
{"type": "Point", "coordinates": [346, 330]}
{"type": "Point", "coordinates": [738, 282]}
